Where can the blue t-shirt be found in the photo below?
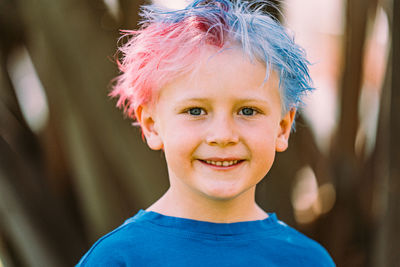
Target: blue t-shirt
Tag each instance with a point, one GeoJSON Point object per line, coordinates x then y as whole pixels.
{"type": "Point", "coordinates": [152, 239]}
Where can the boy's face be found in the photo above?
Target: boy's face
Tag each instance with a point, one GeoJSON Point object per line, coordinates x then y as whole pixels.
{"type": "Point", "coordinates": [219, 128]}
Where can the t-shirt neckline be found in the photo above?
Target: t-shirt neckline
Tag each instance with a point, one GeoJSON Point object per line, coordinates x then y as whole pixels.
{"type": "Point", "coordinates": [184, 224]}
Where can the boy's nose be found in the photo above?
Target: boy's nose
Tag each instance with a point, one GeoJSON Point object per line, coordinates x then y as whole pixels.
{"type": "Point", "coordinates": [222, 132]}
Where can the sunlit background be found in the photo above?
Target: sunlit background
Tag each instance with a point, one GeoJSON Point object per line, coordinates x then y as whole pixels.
{"type": "Point", "coordinates": [91, 166]}
{"type": "Point", "coordinates": [321, 40]}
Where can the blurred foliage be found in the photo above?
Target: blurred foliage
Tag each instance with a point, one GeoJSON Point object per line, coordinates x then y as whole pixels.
{"type": "Point", "coordinates": [88, 169]}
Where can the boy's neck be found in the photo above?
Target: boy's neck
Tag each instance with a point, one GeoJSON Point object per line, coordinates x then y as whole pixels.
{"type": "Point", "coordinates": [240, 209]}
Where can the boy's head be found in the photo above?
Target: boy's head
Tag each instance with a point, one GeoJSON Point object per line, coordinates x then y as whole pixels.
{"type": "Point", "coordinates": [170, 44]}
{"type": "Point", "coordinates": [216, 86]}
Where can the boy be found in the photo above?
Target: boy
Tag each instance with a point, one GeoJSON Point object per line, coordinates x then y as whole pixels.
{"type": "Point", "coordinates": [216, 87]}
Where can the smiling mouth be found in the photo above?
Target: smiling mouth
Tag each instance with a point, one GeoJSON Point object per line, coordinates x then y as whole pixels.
{"type": "Point", "coordinates": [224, 163]}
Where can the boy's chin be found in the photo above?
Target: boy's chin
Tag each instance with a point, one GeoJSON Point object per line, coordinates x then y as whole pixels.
{"type": "Point", "coordinates": [222, 194]}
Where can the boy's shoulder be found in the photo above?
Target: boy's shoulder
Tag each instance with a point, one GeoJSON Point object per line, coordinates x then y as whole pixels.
{"type": "Point", "coordinates": [151, 239]}
{"type": "Point", "coordinates": [307, 248]}
{"type": "Point", "coordinates": [113, 247]}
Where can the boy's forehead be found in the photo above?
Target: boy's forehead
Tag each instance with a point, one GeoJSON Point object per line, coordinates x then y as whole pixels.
{"type": "Point", "coordinates": [229, 60]}
{"type": "Point", "coordinates": [228, 67]}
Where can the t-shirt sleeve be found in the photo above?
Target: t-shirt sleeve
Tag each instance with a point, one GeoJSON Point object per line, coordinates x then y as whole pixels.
{"type": "Point", "coordinates": [107, 251]}
{"type": "Point", "coordinates": [103, 254]}
{"type": "Point", "coordinates": [308, 251]}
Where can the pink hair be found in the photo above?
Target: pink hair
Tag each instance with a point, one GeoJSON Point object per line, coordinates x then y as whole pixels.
{"type": "Point", "coordinates": [157, 54]}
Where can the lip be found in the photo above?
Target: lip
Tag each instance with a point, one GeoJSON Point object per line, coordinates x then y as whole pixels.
{"type": "Point", "coordinates": [222, 159]}
{"type": "Point", "coordinates": [203, 161]}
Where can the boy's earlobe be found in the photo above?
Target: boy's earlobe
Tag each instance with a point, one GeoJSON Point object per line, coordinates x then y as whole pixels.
{"type": "Point", "coordinates": [286, 123]}
{"type": "Point", "coordinates": [147, 123]}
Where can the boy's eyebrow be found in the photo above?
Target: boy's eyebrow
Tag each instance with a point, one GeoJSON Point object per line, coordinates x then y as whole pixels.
{"type": "Point", "coordinates": [240, 100]}
{"type": "Point", "coordinates": [194, 99]}
{"type": "Point", "coordinates": [258, 100]}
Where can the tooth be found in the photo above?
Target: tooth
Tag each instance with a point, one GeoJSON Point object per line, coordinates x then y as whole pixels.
{"type": "Point", "coordinates": [224, 163]}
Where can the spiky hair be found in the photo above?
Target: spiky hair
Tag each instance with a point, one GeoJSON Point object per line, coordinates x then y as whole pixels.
{"type": "Point", "coordinates": [170, 42]}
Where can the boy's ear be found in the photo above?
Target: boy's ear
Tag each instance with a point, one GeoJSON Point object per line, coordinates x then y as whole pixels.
{"type": "Point", "coordinates": [147, 122]}
{"type": "Point", "coordinates": [286, 122]}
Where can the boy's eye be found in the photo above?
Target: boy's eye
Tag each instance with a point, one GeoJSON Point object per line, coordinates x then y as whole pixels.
{"type": "Point", "coordinates": [247, 112]}
{"type": "Point", "coordinates": [196, 111]}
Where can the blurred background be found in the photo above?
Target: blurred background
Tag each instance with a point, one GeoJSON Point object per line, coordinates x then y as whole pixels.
{"type": "Point", "coordinates": [72, 168]}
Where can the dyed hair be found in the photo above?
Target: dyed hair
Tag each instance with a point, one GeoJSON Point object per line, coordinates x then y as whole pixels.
{"type": "Point", "coordinates": [170, 42]}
